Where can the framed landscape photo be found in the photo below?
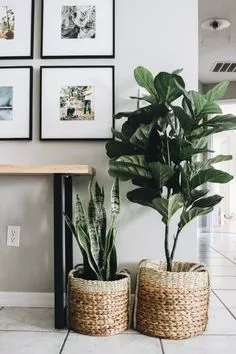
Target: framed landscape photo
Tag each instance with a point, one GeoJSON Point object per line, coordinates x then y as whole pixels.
{"type": "Point", "coordinates": [16, 29]}
{"type": "Point", "coordinates": [16, 103]}
{"type": "Point", "coordinates": [77, 102]}
{"type": "Point", "coordinates": [78, 29]}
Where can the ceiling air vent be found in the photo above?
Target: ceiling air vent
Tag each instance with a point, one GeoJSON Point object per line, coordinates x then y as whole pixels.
{"type": "Point", "coordinates": [223, 67]}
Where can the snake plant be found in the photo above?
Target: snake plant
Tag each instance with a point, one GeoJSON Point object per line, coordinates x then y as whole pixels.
{"type": "Point", "coordinates": [162, 148]}
{"type": "Point", "coordinates": [95, 233]}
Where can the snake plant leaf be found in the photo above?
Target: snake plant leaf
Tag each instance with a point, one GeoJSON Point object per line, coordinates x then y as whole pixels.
{"type": "Point", "coordinates": [111, 265]}
{"type": "Point", "coordinates": [217, 92]}
{"type": "Point", "coordinates": [168, 207]}
{"type": "Point", "coordinates": [115, 199]}
{"type": "Point", "coordinates": [210, 175]}
{"type": "Point", "coordinates": [165, 87]}
{"type": "Point", "coordinates": [188, 216]}
{"type": "Point", "coordinates": [84, 245]}
{"type": "Point", "coordinates": [186, 121]}
{"type": "Point", "coordinates": [141, 136]}
{"type": "Point", "coordinates": [94, 241]}
{"type": "Point", "coordinates": [116, 149]}
{"type": "Point", "coordinates": [207, 202]}
{"type": "Point", "coordinates": [161, 173]}
{"type": "Point", "coordinates": [143, 196]}
{"type": "Point", "coordinates": [102, 227]}
{"type": "Point", "coordinates": [127, 167]}
{"type": "Point", "coordinates": [99, 197]}
{"type": "Point", "coordinates": [80, 219]}
{"type": "Point", "coordinates": [144, 78]}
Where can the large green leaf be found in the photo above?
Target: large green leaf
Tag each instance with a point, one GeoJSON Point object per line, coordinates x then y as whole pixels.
{"type": "Point", "coordinates": [165, 85]}
{"type": "Point", "coordinates": [210, 175]}
{"type": "Point", "coordinates": [217, 92]}
{"type": "Point", "coordinates": [161, 173]}
{"type": "Point", "coordinates": [196, 194]}
{"type": "Point", "coordinates": [208, 202]}
{"type": "Point", "coordinates": [127, 167]}
{"type": "Point", "coordinates": [80, 218]}
{"type": "Point", "coordinates": [142, 196]}
{"type": "Point", "coordinates": [141, 137]}
{"type": "Point", "coordinates": [144, 78]}
{"type": "Point", "coordinates": [188, 152]}
{"type": "Point", "coordinates": [168, 207]}
{"type": "Point", "coordinates": [188, 216]}
{"type": "Point", "coordinates": [186, 121]}
{"type": "Point", "coordinates": [227, 121]}
{"type": "Point", "coordinates": [116, 149]}
{"type": "Point", "coordinates": [202, 106]}
{"type": "Point", "coordinates": [208, 163]}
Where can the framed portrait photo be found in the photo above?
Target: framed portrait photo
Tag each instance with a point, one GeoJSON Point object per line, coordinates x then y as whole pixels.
{"type": "Point", "coordinates": [77, 102]}
{"type": "Point", "coordinates": [16, 29]}
{"type": "Point", "coordinates": [16, 103]}
{"type": "Point", "coordinates": [78, 29]}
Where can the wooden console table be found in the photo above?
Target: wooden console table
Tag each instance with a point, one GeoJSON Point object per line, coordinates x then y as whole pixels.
{"type": "Point", "coordinates": [62, 201]}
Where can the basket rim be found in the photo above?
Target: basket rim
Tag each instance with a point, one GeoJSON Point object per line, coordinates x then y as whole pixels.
{"type": "Point", "coordinates": [148, 263]}
{"type": "Point", "coordinates": [122, 274]}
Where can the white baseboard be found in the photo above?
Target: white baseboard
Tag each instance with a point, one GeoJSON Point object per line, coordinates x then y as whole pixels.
{"type": "Point", "coordinates": [15, 299]}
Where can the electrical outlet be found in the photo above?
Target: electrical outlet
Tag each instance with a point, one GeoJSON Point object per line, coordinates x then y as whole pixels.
{"type": "Point", "coordinates": [13, 236]}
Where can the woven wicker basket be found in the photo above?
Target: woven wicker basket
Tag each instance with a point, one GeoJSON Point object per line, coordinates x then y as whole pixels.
{"type": "Point", "coordinates": [172, 305]}
{"type": "Point", "coordinates": [98, 308]}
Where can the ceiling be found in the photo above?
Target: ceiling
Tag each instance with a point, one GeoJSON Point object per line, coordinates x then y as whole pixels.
{"type": "Point", "coordinates": [220, 46]}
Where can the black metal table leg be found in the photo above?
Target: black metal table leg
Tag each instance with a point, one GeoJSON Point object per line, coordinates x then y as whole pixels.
{"type": "Point", "coordinates": [58, 251]}
{"type": "Point", "coordinates": [68, 234]}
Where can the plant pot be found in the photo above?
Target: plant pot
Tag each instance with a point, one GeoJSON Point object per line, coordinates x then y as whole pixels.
{"type": "Point", "coordinates": [171, 305]}
{"type": "Point", "coordinates": [98, 308]}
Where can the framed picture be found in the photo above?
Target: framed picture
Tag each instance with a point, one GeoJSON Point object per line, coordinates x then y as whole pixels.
{"type": "Point", "coordinates": [16, 102]}
{"type": "Point", "coordinates": [16, 29]}
{"type": "Point", "coordinates": [78, 29]}
{"type": "Point", "coordinates": [77, 102]}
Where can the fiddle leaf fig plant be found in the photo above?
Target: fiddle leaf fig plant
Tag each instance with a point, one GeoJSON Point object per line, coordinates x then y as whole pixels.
{"type": "Point", "coordinates": [95, 232]}
{"type": "Point", "coordinates": [162, 148]}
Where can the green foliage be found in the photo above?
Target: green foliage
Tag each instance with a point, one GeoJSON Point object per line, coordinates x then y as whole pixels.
{"type": "Point", "coordinates": [95, 237]}
{"type": "Point", "coordinates": [162, 148]}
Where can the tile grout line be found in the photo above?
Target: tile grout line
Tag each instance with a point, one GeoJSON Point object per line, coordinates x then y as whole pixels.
{"type": "Point", "coordinates": [224, 305]}
{"type": "Point", "coordinates": [162, 346]}
{"type": "Point", "coordinates": [224, 256]}
{"type": "Point", "coordinates": [64, 342]}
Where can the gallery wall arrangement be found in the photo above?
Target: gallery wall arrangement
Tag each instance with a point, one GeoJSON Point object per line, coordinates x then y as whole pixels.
{"type": "Point", "coordinates": [76, 102]}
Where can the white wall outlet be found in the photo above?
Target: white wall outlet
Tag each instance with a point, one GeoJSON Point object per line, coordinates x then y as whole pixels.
{"type": "Point", "coordinates": [13, 236]}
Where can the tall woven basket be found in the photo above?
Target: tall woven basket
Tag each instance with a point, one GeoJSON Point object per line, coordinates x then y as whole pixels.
{"type": "Point", "coordinates": [98, 308]}
{"type": "Point", "coordinates": [172, 305]}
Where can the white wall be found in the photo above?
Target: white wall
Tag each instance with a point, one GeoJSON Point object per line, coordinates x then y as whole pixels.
{"type": "Point", "coordinates": [161, 35]}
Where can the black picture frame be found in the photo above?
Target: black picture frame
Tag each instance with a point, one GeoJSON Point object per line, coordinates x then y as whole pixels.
{"type": "Point", "coordinates": [28, 136]}
{"type": "Point", "coordinates": [79, 56]}
{"type": "Point", "coordinates": [112, 126]}
{"type": "Point", "coordinates": [31, 55]}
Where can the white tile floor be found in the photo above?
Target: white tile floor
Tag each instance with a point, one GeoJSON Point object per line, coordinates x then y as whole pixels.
{"type": "Point", "coordinates": [30, 331]}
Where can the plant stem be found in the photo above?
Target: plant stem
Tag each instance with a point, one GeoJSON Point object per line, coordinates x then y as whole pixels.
{"type": "Point", "coordinates": [167, 252]}
{"type": "Point", "coordinates": [174, 245]}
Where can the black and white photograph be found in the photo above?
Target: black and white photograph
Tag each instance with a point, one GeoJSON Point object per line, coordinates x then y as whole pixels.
{"type": "Point", "coordinates": [78, 29]}
{"type": "Point", "coordinates": [16, 84]}
{"type": "Point", "coordinates": [77, 102]}
{"type": "Point", "coordinates": [6, 102]}
{"type": "Point", "coordinates": [7, 23]}
{"type": "Point", "coordinates": [78, 22]}
{"type": "Point", "coordinates": [16, 29]}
